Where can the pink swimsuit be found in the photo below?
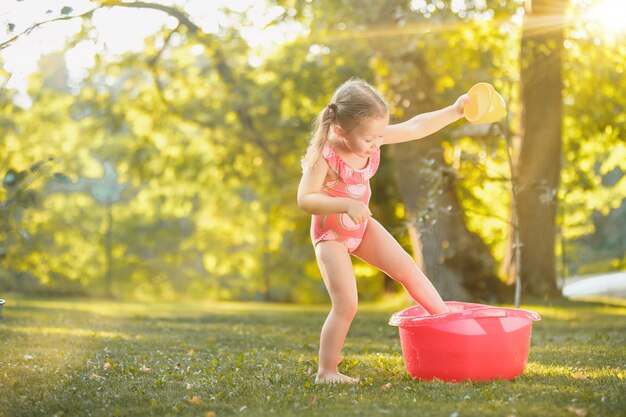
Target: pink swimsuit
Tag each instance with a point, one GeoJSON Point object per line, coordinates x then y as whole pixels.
{"type": "Point", "coordinates": [352, 183]}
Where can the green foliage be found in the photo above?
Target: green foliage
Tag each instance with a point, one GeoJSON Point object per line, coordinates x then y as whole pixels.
{"type": "Point", "coordinates": [20, 192]}
{"type": "Point", "coordinates": [209, 145]}
{"type": "Point", "coordinates": [594, 150]}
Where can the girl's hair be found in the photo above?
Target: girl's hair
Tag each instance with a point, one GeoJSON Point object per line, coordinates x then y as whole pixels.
{"type": "Point", "coordinates": [352, 102]}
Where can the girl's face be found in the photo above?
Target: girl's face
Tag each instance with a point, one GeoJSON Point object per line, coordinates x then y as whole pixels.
{"type": "Point", "coordinates": [365, 137]}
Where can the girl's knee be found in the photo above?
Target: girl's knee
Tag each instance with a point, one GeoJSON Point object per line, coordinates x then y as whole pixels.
{"type": "Point", "coordinates": [345, 308]}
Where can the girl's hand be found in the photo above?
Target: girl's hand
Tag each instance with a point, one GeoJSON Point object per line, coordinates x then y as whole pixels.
{"type": "Point", "coordinates": [358, 211]}
{"type": "Point", "coordinates": [460, 104]}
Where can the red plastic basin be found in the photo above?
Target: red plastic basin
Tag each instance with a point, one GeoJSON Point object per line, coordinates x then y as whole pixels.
{"type": "Point", "coordinates": [473, 341]}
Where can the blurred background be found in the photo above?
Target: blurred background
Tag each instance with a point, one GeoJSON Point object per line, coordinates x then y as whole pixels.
{"type": "Point", "coordinates": [152, 149]}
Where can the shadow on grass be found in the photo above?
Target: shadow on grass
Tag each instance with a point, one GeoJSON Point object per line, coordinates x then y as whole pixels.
{"type": "Point", "coordinates": [145, 359]}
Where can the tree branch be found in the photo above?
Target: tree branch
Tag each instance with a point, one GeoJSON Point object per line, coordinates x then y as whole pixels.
{"type": "Point", "coordinates": [152, 63]}
{"type": "Point", "coordinates": [36, 25]}
{"type": "Point", "coordinates": [224, 70]}
{"type": "Point", "coordinates": [172, 11]}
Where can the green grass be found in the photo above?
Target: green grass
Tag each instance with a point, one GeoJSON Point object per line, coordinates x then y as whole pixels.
{"type": "Point", "coordinates": [68, 357]}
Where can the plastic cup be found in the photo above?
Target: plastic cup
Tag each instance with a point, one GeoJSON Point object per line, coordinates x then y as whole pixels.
{"type": "Point", "coordinates": [485, 105]}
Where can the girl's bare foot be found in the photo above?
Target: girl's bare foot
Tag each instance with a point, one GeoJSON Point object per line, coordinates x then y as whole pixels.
{"type": "Point", "coordinates": [335, 378]}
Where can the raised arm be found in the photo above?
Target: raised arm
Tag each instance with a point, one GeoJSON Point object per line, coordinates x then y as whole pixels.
{"type": "Point", "coordinates": [425, 124]}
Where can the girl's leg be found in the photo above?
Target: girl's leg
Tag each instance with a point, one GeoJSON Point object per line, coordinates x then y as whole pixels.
{"type": "Point", "coordinates": [336, 268]}
{"type": "Point", "coordinates": [379, 249]}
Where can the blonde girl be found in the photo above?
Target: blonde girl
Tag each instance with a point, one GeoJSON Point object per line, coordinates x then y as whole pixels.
{"type": "Point", "coordinates": [343, 154]}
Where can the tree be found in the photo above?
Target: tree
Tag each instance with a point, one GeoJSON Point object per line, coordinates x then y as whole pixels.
{"type": "Point", "coordinates": [412, 71]}
{"type": "Point", "coordinates": [234, 83]}
{"type": "Point", "coordinates": [212, 143]}
{"type": "Point", "coordinates": [539, 162]}
{"type": "Point", "coordinates": [592, 197]}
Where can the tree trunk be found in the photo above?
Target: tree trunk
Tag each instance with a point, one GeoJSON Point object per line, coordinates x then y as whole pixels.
{"type": "Point", "coordinates": [540, 151]}
{"type": "Point", "coordinates": [456, 260]}
{"type": "Point", "coordinates": [265, 254]}
{"type": "Point", "coordinates": [108, 248]}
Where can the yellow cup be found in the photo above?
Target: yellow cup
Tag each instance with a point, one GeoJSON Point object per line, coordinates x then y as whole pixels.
{"type": "Point", "coordinates": [485, 105]}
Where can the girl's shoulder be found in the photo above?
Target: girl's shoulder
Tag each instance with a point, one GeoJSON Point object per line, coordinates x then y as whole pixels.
{"type": "Point", "coordinates": [332, 158]}
{"type": "Point", "coordinates": [310, 163]}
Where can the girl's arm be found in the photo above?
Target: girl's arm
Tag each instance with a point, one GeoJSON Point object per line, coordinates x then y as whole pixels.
{"type": "Point", "coordinates": [313, 201]}
{"type": "Point", "coordinates": [425, 124]}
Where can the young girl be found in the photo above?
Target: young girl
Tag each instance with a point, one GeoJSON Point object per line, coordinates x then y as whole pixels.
{"type": "Point", "coordinates": [343, 155]}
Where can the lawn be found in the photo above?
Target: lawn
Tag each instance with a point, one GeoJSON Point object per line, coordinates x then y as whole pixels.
{"type": "Point", "coordinates": [82, 357]}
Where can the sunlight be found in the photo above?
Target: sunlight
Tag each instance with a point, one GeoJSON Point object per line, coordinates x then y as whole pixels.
{"type": "Point", "coordinates": [537, 368]}
{"type": "Point", "coordinates": [66, 331]}
{"type": "Point", "coordinates": [119, 30]}
{"type": "Point", "coordinates": [611, 14]}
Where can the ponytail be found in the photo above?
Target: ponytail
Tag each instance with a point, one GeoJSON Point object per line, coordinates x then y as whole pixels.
{"type": "Point", "coordinates": [319, 138]}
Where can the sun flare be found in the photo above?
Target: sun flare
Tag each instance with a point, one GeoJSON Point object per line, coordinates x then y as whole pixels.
{"type": "Point", "coordinates": [611, 14]}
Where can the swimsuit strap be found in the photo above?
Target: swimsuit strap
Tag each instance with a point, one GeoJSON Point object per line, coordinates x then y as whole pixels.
{"type": "Point", "coordinates": [346, 173]}
{"type": "Point", "coordinates": [374, 162]}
